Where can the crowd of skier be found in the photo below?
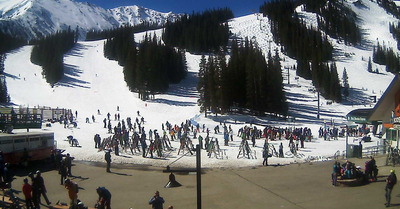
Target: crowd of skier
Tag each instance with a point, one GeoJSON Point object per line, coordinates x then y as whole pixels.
{"type": "Point", "coordinates": [129, 135]}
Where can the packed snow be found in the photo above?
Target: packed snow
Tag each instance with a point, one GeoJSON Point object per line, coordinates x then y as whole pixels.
{"type": "Point", "coordinates": [93, 83]}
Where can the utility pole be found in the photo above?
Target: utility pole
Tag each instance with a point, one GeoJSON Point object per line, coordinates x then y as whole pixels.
{"type": "Point", "coordinates": [318, 106]}
{"type": "Point", "coordinates": [198, 175]}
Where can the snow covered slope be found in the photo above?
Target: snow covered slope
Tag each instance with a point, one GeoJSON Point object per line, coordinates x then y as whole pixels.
{"type": "Point", "coordinates": [34, 18]}
{"type": "Point", "coordinates": [93, 83]}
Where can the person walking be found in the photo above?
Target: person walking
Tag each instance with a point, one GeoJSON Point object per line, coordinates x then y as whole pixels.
{"type": "Point", "coordinates": [281, 150]}
{"type": "Point", "coordinates": [107, 157]}
{"type": "Point", "coordinates": [156, 201]}
{"type": "Point", "coordinates": [390, 182]}
{"type": "Point", "coordinates": [63, 171]}
{"type": "Point", "coordinates": [266, 153]}
{"type": "Point", "coordinates": [72, 188]}
{"type": "Point", "coordinates": [104, 197]}
{"type": "Point", "coordinates": [68, 164]}
{"type": "Point", "coordinates": [39, 189]}
{"type": "Point", "coordinates": [27, 190]}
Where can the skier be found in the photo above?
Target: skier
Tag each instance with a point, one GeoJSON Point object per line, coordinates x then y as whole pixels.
{"type": "Point", "coordinates": [144, 145]}
{"type": "Point", "coordinates": [226, 138]}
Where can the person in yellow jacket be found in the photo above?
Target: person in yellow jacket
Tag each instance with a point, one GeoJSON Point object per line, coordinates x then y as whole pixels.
{"type": "Point", "coordinates": [72, 188]}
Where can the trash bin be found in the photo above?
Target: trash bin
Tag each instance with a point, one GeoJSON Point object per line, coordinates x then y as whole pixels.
{"type": "Point", "coordinates": [354, 151]}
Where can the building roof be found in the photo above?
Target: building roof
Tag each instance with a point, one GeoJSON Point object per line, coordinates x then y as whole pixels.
{"type": "Point", "coordinates": [386, 103]}
{"type": "Point", "coordinates": [359, 115]}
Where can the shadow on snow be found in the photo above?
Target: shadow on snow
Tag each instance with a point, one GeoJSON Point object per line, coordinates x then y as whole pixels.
{"type": "Point", "coordinates": [69, 80]}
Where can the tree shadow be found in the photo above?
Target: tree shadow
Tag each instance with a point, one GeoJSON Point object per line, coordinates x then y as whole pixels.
{"type": "Point", "coordinates": [186, 88]}
{"type": "Point", "coordinates": [77, 50]}
{"type": "Point", "coordinates": [69, 80]}
{"type": "Point", "coordinates": [11, 76]}
{"type": "Point", "coordinates": [173, 102]}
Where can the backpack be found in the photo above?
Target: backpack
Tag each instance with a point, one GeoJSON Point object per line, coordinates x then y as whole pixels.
{"type": "Point", "coordinates": [77, 187]}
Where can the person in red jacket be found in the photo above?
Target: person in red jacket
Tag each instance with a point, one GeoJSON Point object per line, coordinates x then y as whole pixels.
{"type": "Point", "coordinates": [27, 190]}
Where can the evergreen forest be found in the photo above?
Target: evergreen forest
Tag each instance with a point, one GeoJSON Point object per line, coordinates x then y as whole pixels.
{"type": "Point", "coordinates": [199, 32]}
{"type": "Point", "coordinates": [49, 51]}
{"type": "Point", "coordinates": [8, 43]}
{"type": "Point", "coordinates": [247, 81]}
{"type": "Point", "coordinates": [335, 19]}
{"type": "Point", "coordinates": [4, 97]}
{"type": "Point", "coordinates": [307, 45]}
{"type": "Point", "coordinates": [386, 56]}
{"type": "Point", "coordinates": [148, 68]}
{"type": "Point", "coordinates": [94, 35]}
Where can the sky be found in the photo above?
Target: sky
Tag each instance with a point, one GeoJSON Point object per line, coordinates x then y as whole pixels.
{"type": "Point", "coordinates": [239, 7]}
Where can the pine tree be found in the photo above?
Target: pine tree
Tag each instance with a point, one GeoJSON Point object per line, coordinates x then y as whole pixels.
{"type": "Point", "coordinates": [204, 99]}
{"type": "Point", "coordinates": [345, 83]}
{"type": "Point", "coordinates": [2, 59]}
{"type": "Point", "coordinates": [369, 65]}
{"type": "Point", "coordinates": [335, 88]}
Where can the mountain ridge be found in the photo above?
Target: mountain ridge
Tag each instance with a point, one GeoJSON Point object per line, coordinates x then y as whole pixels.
{"type": "Point", "coordinates": [31, 19]}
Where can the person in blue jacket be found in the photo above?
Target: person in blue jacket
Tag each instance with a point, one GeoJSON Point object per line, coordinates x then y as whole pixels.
{"type": "Point", "coordinates": [104, 197]}
{"type": "Point", "coordinates": [156, 201]}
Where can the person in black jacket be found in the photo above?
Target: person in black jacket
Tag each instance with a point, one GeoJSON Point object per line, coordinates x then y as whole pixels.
{"type": "Point", "coordinates": [39, 189]}
{"type": "Point", "coordinates": [107, 157]}
{"type": "Point", "coordinates": [63, 171]}
{"type": "Point", "coordinates": [390, 182]}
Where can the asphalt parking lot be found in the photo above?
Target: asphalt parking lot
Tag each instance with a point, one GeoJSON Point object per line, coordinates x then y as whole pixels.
{"type": "Point", "coordinates": [291, 186]}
